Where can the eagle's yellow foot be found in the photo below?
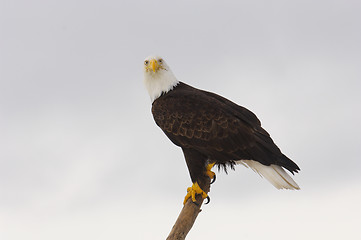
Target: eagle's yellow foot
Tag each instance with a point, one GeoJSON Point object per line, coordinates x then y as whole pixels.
{"type": "Point", "coordinates": [192, 191]}
{"type": "Point", "coordinates": [211, 174]}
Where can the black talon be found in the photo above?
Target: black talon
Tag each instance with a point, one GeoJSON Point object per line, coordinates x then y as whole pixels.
{"type": "Point", "coordinates": [208, 200]}
{"type": "Point", "coordinates": [214, 179]}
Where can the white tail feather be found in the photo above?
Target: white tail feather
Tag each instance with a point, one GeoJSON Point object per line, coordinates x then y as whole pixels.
{"type": "Point", "coordinates": [273, 173]}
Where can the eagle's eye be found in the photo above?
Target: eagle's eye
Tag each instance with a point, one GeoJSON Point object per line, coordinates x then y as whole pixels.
{"type": "Point", "coordinates": [146, 62]}
{"type": "Point", "coordinates": [160, 60]}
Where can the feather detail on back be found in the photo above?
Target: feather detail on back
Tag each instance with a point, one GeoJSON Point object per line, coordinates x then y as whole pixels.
{"type": "Point", "coordinates": [275, 174]}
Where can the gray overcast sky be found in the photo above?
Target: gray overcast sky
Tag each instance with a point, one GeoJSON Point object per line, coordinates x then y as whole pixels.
{"type": "Point", "coordinates": [81, 157]}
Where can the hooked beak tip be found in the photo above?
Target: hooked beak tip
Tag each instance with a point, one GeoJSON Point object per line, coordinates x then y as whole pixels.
{"type": "Point", "coordinates": [154, 65]}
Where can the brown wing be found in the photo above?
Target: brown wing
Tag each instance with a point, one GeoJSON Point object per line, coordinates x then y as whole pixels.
{"type": "Point", "coordinates": [214, 126]}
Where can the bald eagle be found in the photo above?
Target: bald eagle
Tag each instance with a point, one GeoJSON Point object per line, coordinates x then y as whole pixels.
{"type": "Point", "coordinates": [212, 130]}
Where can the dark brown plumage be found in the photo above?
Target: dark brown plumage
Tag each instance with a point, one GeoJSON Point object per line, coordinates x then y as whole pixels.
{"type": "Point", "coordinates": [209, 128]}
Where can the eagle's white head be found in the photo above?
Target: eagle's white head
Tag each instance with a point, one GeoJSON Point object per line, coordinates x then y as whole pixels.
{"type": "Point", "coordinates": [158, 78]}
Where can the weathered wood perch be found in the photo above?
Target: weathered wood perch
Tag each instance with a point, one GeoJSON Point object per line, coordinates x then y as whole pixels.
{"type": "Point", "coordinates": [188, 216]}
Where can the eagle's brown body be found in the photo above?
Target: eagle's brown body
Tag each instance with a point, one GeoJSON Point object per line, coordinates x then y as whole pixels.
{"type": "Point", "coordinates": [212, 129]}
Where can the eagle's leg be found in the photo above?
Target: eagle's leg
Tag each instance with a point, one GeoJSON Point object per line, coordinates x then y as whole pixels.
{"type": "Point", "coordinates": [209, 173]}
{"type": "Point", "coordinates": [197, 166]}
{"type": "Point", "coordinates": [192, 191]}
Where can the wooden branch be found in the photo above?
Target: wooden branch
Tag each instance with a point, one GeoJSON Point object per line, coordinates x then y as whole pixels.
{"type": "Point", "coordinates": [188, 216]}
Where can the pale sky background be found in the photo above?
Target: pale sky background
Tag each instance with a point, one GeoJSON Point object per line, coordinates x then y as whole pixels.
{"type": "Point", "coordinates": [80, 154]}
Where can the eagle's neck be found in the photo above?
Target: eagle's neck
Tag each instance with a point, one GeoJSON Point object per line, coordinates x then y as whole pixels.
{"type": "Point", "coordinates": [159, 83]}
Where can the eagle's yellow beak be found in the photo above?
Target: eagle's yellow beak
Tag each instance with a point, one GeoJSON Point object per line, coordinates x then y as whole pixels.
{"type": "Point", "coordinates": [154, 65]}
